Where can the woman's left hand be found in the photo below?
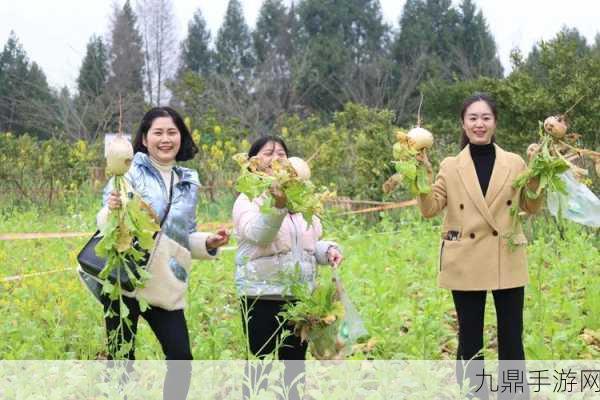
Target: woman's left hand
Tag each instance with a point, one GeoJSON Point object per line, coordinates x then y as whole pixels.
{"type": "Point", "coordinates": [533, 184]}
{"type": "Point", "coordinates": [334, 257]}
{"type": "Point", "coordinates": [220, 238]}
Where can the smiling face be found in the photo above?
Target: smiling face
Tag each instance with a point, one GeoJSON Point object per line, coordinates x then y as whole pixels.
{"type": "Point", "coordinates": [163, 140]}
{"type": "Point", "coordinates": [268, 153]}
{"type": "Point", "coordinates": [479, 123]}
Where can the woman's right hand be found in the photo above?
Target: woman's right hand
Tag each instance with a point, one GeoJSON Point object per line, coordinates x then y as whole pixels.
{"type": "Point", "coordinates": [114, 201]}
{"type": "Point", "coordinates": [278, 196]}
{"type": "Point", "coordinates": [423, 159]}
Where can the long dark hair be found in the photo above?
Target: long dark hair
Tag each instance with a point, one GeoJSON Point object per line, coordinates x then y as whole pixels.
{"type": "Point", "coordinates": [259, 143]}
{"type": "Point", "coordinates": [464, 140]}
{"type": "Point", "coordinates": [187, 149]}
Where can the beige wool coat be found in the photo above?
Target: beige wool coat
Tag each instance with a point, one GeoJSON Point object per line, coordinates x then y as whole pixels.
{"type": "Point", "coordinates": [480, 258]}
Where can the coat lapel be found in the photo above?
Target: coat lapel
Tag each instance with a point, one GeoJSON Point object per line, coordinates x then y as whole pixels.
{"type": "Point", "coordinates": [499, 176]}
{"type": "Point", "coordinates": [468, 177]}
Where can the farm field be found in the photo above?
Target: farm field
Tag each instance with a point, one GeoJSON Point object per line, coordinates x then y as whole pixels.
{"type": "Point", "coordinates": [389, 273]}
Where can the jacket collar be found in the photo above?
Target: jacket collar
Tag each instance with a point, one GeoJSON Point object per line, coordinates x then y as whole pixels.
{"type": "Point", "coordinates": [468, 176]}
{"type": "Point", "coordinates": [185, 175]}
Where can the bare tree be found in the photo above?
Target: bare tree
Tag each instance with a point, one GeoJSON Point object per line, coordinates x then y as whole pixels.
{"type": "Point", "coordinates": [126, 65]}
{"type": "Point", "coordinates": [159, 33]}
{"type": "Point", "coordinates": [406, 86]}
{"type": "Point", "coordinates": [368, 83]}
{"type": "Point", "coordinates": [87, 118]}
{"type": "Point", "coordinates": [256, 105]}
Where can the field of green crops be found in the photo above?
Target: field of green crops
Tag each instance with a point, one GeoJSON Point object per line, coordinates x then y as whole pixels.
{"type": "Point", "coordinates": [389, 273]}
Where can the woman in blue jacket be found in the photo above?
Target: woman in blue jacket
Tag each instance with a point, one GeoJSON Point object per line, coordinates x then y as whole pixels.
{"type": "Point", "coordinates": [161, 141]}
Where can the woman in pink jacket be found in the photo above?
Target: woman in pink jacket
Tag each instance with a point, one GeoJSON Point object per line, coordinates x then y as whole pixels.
{"type": "Point", "coordinates": [272, 249]}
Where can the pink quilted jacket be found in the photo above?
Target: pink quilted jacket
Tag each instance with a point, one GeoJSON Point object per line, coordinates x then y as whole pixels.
{"type": "Point", "coordinates": [271, 246]}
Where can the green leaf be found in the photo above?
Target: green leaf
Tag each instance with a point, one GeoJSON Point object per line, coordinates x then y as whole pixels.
{"type": "Point", "coordinates": [407, 168]}
{"type": "Point", "coordinates": [423, 186]}
{"type": "Point", "coordinates": [301, 195]}
{"type": "Point", "coordinates": [268, 206]}
{"type": "Point", "coordinates": [143, 304]}
{"type": "Point", "coordinates": [252, 185]}
{"type": "Point", "coordinates": [124, 310]}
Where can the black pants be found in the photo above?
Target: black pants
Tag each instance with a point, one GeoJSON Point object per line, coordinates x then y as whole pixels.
{"type": "Point", "coordinates": [171, 331]}
{"type": "Point", "coordinates": [470, 309]}
{"type": "Point", "coordinates": [263, 331]}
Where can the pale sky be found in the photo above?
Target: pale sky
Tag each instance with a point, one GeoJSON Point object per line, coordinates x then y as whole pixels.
{"type": "Point", "coordinates": [55, 33]}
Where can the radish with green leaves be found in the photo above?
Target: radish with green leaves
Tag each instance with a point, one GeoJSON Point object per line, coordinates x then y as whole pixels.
{"type": "Point", "coordinates": [127, 236]}
{"type": "Point", "coordinates": [319, 317]}
{"type": "Point", "coordinates": [549, 159]}
{"type": "Point", "coordinates": [292, 176]}
{"type": "Point", "coordinates": [409, 170]}
{"type": "Point", "coordinates": [133, 220]}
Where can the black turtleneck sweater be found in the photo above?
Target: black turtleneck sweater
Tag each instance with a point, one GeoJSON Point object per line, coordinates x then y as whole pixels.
{"type": "Point", "coordinates": [483, 156]}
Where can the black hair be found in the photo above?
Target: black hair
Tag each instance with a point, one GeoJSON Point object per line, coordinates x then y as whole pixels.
{"type": "Point", "coordinates": [485, 97]}
{"type": "Point", "coordinates": [187, 149]}
{"type": "Point", "coordinates": [259, 143]}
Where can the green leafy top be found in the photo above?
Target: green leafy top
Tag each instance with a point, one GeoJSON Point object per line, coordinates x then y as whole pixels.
{"type": "Point", "coordinates": [301, 194]}
{"type": "Point", "coordinates": [313, 309]}
{"type": "Point", "coordinates": [134, 220]}
{"type": "Point", "coordinates": [546, 167]}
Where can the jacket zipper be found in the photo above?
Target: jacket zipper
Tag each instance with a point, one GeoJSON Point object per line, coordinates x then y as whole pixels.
{"type": "Point", "coordinates": [297, 249]}
{"type": "Point", "coordinates": [295, 239]}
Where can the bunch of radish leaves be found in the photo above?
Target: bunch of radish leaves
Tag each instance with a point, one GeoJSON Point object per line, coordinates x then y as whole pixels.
{"type": "Point", "coordinates": [546, 167]}
{"type": "Point", "coordinates": [133, 223]}
{"type": "Point", "coordinates": [302, 196]}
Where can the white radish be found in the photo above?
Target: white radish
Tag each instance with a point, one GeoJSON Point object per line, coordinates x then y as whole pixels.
{"type": "Point", "coordinates": [421, 137]}
{"type": "Point", "coordinates": [301, 167]}
{"type": "Point", "coordinates": [118, 156]}
{"type": "Point", "coordinates": [556, 126]}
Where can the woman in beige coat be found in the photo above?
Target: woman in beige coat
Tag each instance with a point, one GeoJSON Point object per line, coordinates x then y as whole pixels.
{"type": "Point", "coordinates": [475, 189]}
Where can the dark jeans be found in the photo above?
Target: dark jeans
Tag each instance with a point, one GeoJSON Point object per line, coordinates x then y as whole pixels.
{"type": "Point", "coordinates": [470, 309]}
{"type": "Point", "coordinates": [263, 332]}
{"type": "Point", "coordinates": [171, 331]}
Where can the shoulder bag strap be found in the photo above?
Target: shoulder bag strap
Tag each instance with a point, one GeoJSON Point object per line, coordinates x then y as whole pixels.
{"type": "Point", "coordinates": [164, 218]}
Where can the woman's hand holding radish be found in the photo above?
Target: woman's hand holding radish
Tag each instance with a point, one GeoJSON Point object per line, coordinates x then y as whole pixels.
{"type": "Point", "coordinates": [424, 160]}
{"type": "Point", "coordinates": [533, 183]}
{"type": "Point", "coordinates": [279, 196]}
{"type": "Point", "coordinates": [114, 201]}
